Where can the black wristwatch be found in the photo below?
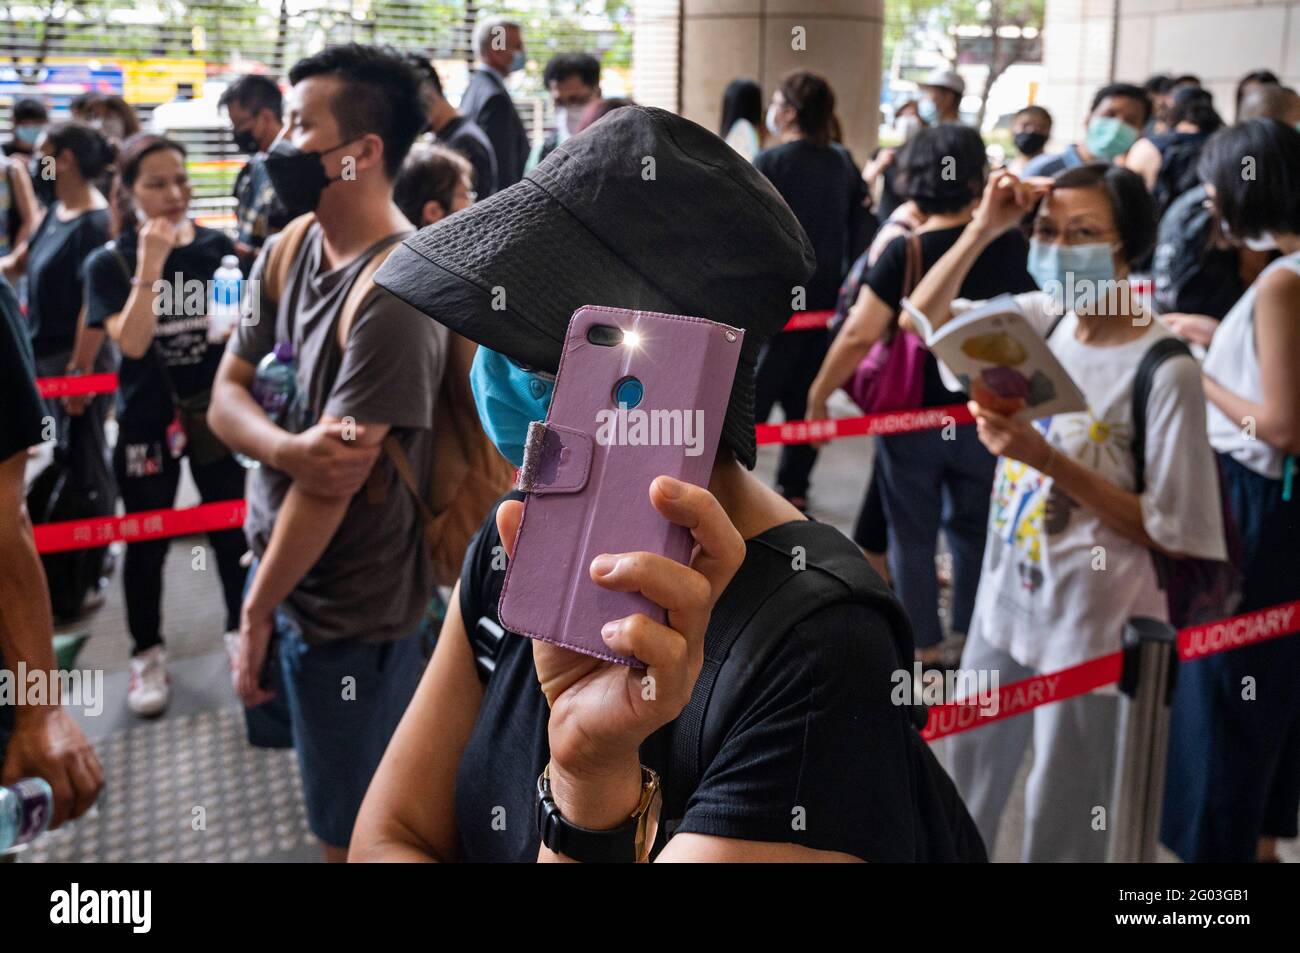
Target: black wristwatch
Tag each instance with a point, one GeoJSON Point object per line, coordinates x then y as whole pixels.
{"type": "Point", "coordinates": [626, 844]}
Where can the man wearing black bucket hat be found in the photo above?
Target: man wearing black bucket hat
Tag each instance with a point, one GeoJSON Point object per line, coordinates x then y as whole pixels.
{"type": "Point", "coordinates": [519, 750]}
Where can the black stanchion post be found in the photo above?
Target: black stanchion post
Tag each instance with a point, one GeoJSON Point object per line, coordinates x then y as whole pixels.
{"type": "Point", "coordinates": [1146, 685]}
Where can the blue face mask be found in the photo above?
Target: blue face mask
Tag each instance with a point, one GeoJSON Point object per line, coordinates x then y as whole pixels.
{"type": "Point", "coordinates": [508, 399]}
{"type": "Point", "coordinates": [1068, 271]}
{"type": "Point", "coordinates": [28, 134]}
{"type": "Point", "coordinates": [928, 111]}
{"type": "Point", "coordinates": [1109, 137]}
{"type": "Point", "coordinates": [518, 61]}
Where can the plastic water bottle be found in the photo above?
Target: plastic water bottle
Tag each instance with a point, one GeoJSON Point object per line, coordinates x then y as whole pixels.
{"type": "Point", "coordinates": [275, 384]}
{"type": "Point", "coordinates": [223, 314]}
{"type": "Point", "coordinates": [25, 811]}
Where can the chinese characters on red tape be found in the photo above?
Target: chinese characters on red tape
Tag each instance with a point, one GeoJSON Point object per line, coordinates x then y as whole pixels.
{"type": "Point", "coordinates": [137, 527]}
{"type": "Point", "coordinates": [78, 386]}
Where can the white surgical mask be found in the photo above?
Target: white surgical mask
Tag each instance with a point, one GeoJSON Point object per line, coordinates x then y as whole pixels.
{"type": "Point", "coordinates": [772, 127]}
{"type": "Point", "coordinates": [1264, 241]}
{"type": "Point", "coordinates": [907, 126]}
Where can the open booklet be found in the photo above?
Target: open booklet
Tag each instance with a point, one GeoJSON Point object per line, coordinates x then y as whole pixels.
{"type": "Point", "coordinates": [1001, 361]}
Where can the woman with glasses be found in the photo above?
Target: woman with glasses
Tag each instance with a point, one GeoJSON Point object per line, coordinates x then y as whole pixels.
{"type": "Point", "coordinates": [930, 480]}
{"type": "Point", "coordinates": [434, 182]}
{"type": "Point", "coordinates": [1071, 534]}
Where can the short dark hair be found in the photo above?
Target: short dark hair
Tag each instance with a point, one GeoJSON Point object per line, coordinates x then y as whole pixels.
{"type": "Point", "coordinates": [424, 68]}
{"type": "Point", "coordinates": [1267, 201]}
{"type": "Point", "coordinates": [380, 95]}
{"type": "Point", "coordinates": [1195, 105]}
{"type": "Point", "coordinates": [1038, 111]}
{"type": "Point", "coordinates": [1158, 84]}
{"type": "Point", "coordinates": [1187, 79]}
{"type": "Point", "coordinates": [254, 93]}
{"type": "Point", "coordinates": [563, 65]}
{"type": "Point", "coordinates": [90, 148]}
{"type": "Point", "coordinates": [942, 168]}
{"type": "Point", "coordinates": [1130, 203]}
{"type": "Point", "coordinates": [429, 173]}
{"type": "Point", "coordinates": [1123, 91]}
{"type": "Point", "coordinates": [83, 103]}
{"type": "Point", "coordinates": [30, 110]}
{"type": "Point", "coordinates": [1265, 77]}
{"type": "Point", "coordinates": [813, 102]}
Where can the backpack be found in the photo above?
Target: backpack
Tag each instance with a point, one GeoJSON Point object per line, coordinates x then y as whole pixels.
{"type": "Point", "coordinates": [77, 485]}
{"type": "Point", "coordinates": [1177, 169]}
{"type": "Point", "coordinates": [1197, 590]}
{"type": "Point", "coordinates": [743, 633]}
{"type": "Point", "coordinates": [468, 474]}
{"type": "Point", "coordinates": [1191, 273]}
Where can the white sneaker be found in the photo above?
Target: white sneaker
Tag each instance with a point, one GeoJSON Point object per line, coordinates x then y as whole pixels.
{"type": "Point", "coordinates": [149, 692]}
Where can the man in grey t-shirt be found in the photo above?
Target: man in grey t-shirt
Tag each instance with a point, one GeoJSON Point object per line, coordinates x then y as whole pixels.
{"type": "Point", "coordinates": [343, 576]}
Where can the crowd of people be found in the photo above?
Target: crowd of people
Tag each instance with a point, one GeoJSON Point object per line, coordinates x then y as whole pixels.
{"type": "Point", "coordinates": [404, 308]}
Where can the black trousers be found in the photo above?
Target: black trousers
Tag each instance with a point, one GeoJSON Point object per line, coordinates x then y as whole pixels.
{"type": "Point", "coordinates": [148, 476]}
{"type": "Point", "coordinates": [787, 367]}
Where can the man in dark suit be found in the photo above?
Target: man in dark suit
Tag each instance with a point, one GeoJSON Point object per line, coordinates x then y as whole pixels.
{"type": "Point", "coordinates": [499, 43]}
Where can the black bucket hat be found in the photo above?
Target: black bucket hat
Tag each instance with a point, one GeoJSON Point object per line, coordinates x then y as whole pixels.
{"type": "Point", "coordinates": [643, 210]}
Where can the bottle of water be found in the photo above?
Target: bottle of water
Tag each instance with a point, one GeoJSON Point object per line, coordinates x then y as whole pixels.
{"type": "Point", "coordinates": [25, 811]}
{"type": "Point", "coordinates": [275, 384]}
{"type": "Point", "coordinates": [223, 312]}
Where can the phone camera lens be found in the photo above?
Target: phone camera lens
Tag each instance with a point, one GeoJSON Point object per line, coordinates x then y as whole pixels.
{"type": "Point", "coordinates": [628, 392]}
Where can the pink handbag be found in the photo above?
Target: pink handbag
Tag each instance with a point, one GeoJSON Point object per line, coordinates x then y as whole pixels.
{"type": "Point", "coordinates": [892, 375]}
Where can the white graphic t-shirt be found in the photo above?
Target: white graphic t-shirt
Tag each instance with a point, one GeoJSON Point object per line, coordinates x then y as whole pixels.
{"type": "Point", "coordinates": [1057, 585]}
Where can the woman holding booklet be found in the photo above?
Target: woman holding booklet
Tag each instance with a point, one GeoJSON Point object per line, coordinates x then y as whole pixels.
{"type": "Point", "coordinates": [936, 479]}
{"type": "Point", "coordinates": [1074, 516]}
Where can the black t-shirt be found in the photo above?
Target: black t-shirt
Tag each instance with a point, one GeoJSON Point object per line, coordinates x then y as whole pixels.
{"type": "Point", "coordinates": [181, 350]}
{"type": "Point", "coordinates": [21, 408]}
{"type": "Point", "coordinates": [824, 189]}
{"type": "Point", "coordinates": [1000, 269]}
{"type": "Point", "coordinates": [816, 732]}
{"type": "Point", "coordinates": [55, 258]}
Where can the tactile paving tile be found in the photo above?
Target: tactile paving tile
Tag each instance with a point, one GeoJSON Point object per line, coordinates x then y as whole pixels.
{"type": "Point", "coordinates": [158, 774]}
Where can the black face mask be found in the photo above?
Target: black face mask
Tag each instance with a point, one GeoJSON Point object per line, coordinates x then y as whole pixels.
{"type": "Point", "coordinates": [298, 177]}
{"type": "Point", "coordinates": [246, 142]}
{"type": "Point", "coordinates": [43, 187]}
{"type": "Point", "coordinates": [1029, 143]}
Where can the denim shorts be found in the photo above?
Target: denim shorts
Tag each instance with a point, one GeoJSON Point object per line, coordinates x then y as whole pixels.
{"type": "Point", "coordinates": [345, 699]}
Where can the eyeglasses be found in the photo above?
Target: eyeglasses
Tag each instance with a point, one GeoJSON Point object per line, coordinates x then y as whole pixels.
{"type": "Point", "coordinates": [1046, 231]}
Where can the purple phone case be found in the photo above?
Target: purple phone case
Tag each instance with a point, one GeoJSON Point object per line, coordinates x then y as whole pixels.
{"type": "Point", "coordinates": [588, 485]}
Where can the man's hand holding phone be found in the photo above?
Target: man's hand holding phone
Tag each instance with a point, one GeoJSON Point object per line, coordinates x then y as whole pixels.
{"type": "Point", "coordinates": [602, 711]}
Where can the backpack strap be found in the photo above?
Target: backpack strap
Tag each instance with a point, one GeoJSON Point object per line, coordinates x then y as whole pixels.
{"type": "Point", "coordinates": [1159, 352]}
{"type": "Point", "coordinates": [281, 256]}
{"type": "Point", "coordinates": [745, 629]}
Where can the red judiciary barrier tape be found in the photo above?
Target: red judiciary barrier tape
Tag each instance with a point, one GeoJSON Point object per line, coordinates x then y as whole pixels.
{"type": "Point", "coordinates": [138, 527]}
{"type": "Point", "coordinates": [1020, 697]}
{"type": "Point", "coordinates": [1194, 642]}
{"type": "Point", "coordinates": [77, 386]}
{"type": "Point", "coordinates": [868, 425]}
{"type": "Point", "coordinates": [1238, 631]}
{"type": "Point", "coordinates": [808, 320]}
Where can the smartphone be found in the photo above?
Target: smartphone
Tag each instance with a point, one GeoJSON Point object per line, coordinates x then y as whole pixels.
{"type": "Point", "coordinates": [637, 395]}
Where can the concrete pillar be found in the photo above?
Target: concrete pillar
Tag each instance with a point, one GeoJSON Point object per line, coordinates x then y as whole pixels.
{"type": "Point", "coordinates": [763, 40]}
